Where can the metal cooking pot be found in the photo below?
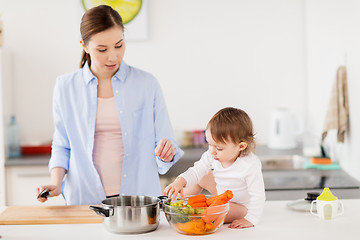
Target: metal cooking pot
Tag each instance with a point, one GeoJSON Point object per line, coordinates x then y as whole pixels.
{"type": "Point", "coordinates": [130, 214]}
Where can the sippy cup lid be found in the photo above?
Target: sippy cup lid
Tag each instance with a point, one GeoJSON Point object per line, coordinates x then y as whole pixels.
{"type": "Point", "coordinates": [326, 195]}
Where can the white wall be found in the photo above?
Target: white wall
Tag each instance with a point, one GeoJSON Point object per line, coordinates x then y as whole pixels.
{"type": "Point", "coordinates": [333, 31]}
{"type": "Point", "coordinates": [40, 42]}
{"type": "Point", "coordinates": [206, 54]}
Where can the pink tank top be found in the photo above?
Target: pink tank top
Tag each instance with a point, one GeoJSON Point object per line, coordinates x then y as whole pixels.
{"type": "Point", "coordinates": [108, 153]}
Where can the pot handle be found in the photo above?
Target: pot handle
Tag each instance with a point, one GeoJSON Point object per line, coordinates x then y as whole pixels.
{"type": "Point", "coordinates": [163, 199]}
{"type": "Point", "coordinates": [105, 212]}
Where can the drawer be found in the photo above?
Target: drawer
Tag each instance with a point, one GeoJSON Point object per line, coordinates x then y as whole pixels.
{"type": "Point", "coordinates": [21, 184]}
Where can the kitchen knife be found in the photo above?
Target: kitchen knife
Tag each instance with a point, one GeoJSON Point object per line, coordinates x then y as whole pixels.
{"type": "Point", "coordinates": [44, 193]}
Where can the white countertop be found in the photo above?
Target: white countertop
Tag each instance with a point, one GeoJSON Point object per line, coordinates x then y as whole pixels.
{"type": "Point", "coordinates": [278, 222]}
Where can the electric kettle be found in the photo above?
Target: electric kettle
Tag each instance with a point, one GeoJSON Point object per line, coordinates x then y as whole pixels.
{"type": "Point", "coordinates": [284, 128]}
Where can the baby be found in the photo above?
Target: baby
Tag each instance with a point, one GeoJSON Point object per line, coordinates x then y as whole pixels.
{"type": "Point", "coordinates": [229, 164]}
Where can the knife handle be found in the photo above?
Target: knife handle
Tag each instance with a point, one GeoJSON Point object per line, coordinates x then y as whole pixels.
{"type": "Point", "coordinates": [44, 193]}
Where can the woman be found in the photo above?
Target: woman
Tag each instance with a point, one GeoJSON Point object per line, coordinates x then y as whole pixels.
{"type": "Point", "coordinates": [109, 117]}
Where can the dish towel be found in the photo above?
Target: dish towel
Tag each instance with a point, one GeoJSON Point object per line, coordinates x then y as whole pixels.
{"type": "Point", "coordinates": [337, 114]}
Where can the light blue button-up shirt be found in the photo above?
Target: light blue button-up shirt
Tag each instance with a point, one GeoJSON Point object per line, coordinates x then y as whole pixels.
{"type": "Point", "coordinates": [144, 121]}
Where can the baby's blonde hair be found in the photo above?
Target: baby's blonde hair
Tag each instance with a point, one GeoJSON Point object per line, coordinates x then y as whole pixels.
{"type": "Point", "coordinates": [235, 125]}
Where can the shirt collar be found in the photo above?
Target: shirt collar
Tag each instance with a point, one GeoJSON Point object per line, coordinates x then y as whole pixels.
{"type": "Point", "coordinates": [122, 72]}
{"type": "Point", "coordinates": [119, 75]}
{"type": "Point", "coordinates": [88, 75]}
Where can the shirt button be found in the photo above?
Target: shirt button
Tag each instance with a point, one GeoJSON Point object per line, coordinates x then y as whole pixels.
{"type": "Point", "coordinates": [123, 194]}
{"type": "Point", "coordinates": [125, 134]}
{"type": "Point", "coordinates": [124, 175]}
{"type": "Point", "coordinates": [121, 112]}
{"type": "Point", "coordinates": [117, 91]}
{"type": "Point", "coordinates": [127, 155]}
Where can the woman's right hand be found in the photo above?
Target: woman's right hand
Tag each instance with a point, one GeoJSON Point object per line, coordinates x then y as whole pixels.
{"type": "Point", "coordinates": [53, 191]}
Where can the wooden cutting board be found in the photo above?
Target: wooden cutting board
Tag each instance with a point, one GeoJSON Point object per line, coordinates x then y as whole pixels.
{"type": "Point", "coordinates": [20, 215]}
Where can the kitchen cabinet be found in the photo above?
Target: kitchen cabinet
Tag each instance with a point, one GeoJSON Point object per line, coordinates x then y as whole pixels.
{"type": "Point", "coordinates": [21, 182]}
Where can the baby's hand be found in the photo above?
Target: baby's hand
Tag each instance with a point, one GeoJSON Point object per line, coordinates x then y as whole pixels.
{"type": "Point", "coordinates": [240, 223]}
{"type": "Point", "coordinates": [175, 188]}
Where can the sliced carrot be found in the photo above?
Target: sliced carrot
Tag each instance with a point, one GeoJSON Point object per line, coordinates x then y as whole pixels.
{"type": "Point", "coordinates": [199, 204]}
{"type": "Point", "coordinates": [217, 202]}
{"type": "Point", "coordinates": [195, 226]}
{"type": "Point", "coordinates": [196, 199]}
{"type": "Point", "coordinates": [211, 226]}
{"type": "Point", "coordinates": [212, 213]}
{"type": "Point", "coordinates": [219, 220]}
{"type": "Point", "coordinates": [225, 197]}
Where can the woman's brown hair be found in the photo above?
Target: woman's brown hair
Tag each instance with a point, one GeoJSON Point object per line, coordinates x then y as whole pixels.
{"type": "Point", "coordinates": [232, 124]}
{"type": "Point", "coordinates": [95, 20]}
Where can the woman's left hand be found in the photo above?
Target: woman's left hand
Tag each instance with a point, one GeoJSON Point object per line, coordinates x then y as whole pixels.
{"type": "Point", "coordinates": [165, 150]}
